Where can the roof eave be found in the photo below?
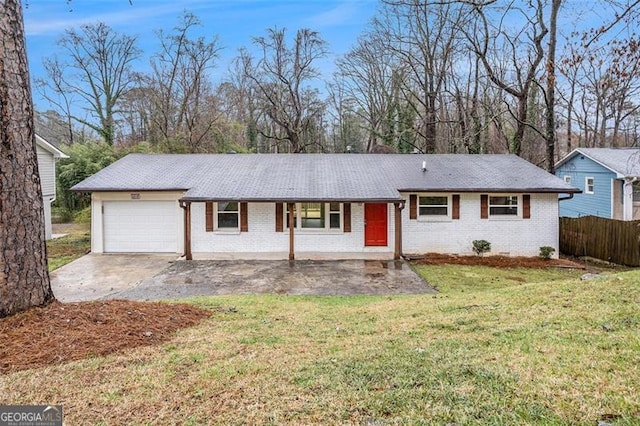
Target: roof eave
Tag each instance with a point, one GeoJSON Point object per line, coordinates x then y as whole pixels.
{"type": "Point", "coordinates": [496, 190]}
{"type": "Point", "coordinates": [293, 199]}
{"type": "Point", "coordinates": [49, 147]}
{"type": "Point", "coordinates": [94, 189]}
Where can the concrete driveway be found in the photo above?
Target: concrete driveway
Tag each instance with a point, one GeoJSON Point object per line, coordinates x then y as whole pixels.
{"type": "Point", "coordinates": [301, 277]}
{"type": "Point", "coordinates": [99, 276]}
{"type": "Point", "coordinates": [153, 277]}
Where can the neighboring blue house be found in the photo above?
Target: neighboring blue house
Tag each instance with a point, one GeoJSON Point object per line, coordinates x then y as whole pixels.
{"type": "Point", "coordinates": [609, 179]}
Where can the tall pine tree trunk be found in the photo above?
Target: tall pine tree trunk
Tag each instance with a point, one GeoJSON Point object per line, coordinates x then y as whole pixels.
{"type": "Point", "coordinates": [24, 280]}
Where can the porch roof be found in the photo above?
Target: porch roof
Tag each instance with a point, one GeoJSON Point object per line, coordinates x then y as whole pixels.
{"type": "Point", "coordinates": [320, 177]}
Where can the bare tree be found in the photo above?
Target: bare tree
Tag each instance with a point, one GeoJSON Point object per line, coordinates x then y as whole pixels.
{"type": "Point", "coordinates": [568, 68]}
{"type": "Point", "coordinates": [603, 83]}
{"type": "Point", "coordinates": [182, 97]}
{"type": "Point", "coordinates": [490, 40]}
{"type": "Point", "coordinates": [348, 129]}
{"type": "Point", "coordinates": [424, 36]}
{"type": "Point", "coordinates": [282, 76]}
{"type": "Point", "coordinates": [24, 279]}
{"type": "Point", "coordinates": [98, 74]}
{"type": "Point", "coordinates": [54, 90]}
{"type": "Point", "coordinates": [369, 78]}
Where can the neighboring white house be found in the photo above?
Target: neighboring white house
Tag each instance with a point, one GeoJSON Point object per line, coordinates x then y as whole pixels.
{"type": "Point", "coordinates": [252, 206]}
{"type": "Point", "coordinates": [47, 155]}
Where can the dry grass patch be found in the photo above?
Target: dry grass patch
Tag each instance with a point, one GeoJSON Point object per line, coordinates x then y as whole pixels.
{"type": "Point", "coordinates": [552, 352]}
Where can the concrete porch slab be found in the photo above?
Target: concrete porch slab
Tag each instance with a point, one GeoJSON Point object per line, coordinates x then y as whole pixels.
{"type": "Point", "coordinates": [300, 277]}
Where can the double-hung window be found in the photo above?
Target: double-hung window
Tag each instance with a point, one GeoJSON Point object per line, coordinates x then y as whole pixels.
{"type": "Point", "coordinates": [433, 206]}
{"type": "Point", "coordinates": [315, 216]}
{"type": "Point", "coordinates": [227, 216]}
{"type": "Point", "coordinates": [503, 205]}
{"type": "Point", "coordinates": [589, 185]}
{"type": "Point", "coordinates": [312, 215]}
{"type": "Point", "coordinates": [335, 215]}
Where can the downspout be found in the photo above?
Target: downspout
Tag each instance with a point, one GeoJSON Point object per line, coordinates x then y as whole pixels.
{"type": "Point", "coordinates": [570, 196]}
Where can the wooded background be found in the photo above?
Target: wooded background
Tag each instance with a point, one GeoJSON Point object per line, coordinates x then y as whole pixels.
{"type": "Point", "coordinates": [425, 76]}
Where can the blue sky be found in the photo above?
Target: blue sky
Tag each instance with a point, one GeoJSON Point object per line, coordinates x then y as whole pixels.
{"type": "Point", "coordinates": [339, 22]}
{"type": "Point", "coordinates": [234, 21]}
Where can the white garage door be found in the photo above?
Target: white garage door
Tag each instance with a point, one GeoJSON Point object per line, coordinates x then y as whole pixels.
{"type": "Point", "coordinates": [140, 226]}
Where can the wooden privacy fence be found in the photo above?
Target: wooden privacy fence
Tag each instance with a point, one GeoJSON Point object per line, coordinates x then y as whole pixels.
{"type": "Point", "coordinates": [616, 241]}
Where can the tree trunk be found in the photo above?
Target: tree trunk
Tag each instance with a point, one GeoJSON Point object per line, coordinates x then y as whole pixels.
{"type": "Point", "coordinates": [24, 280]}
{"type": "Point", "coordinates": [516, 142]}
{"type": "Point", "coordinates": [551, 85]}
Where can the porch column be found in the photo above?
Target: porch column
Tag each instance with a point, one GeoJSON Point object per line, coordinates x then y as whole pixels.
{"type": "Point", "coordinates": [397, 252]}
{"type": "Point", "coordinates": [290, 207]}
{"type": "Point", "coordinates": [186, 206]}
{"type": "Point", "coordinates": [627, 200]}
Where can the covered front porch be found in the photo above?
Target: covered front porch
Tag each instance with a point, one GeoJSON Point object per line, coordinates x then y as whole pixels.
{"type": "Point", "coordinates": [292, 229]}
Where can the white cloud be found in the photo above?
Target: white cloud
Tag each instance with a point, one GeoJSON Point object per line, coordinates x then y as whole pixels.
{"type": "Point", "coordinates": [45, 21]}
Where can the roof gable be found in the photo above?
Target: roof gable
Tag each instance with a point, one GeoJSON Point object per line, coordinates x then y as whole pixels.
{"type": "Point", "coordinates": [624, 162]}
{"type": "Point", "coordinates": [50, 148]}
{"type": "Point", "coordinates": [318, 177]}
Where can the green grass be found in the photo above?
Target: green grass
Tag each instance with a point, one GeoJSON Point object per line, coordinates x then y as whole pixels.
{"type": "Point", "coordinates": [489, 349]}
{"type": "Point", "coordinates": [75, 244]}
{"type": "Point", "coordinates": [460, 278]}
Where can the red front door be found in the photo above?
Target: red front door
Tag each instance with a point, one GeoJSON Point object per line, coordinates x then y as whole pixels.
{"type": "Point", "coordinates": [375, 224]}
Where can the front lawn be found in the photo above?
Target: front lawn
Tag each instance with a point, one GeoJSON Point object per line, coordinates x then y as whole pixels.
{"type": "Point", "coordinates": [494, 347]}
{"type": "Point", "coordinates": [75, 244]}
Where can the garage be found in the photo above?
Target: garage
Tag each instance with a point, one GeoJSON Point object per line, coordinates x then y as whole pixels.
{"type": "Point", "coordinates": [140, 226]}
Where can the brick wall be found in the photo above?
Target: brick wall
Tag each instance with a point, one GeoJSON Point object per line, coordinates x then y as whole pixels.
{"type": "Point", "coordinates": [509, 236]}
{"type": "Point", "coordinates": [262, 237]}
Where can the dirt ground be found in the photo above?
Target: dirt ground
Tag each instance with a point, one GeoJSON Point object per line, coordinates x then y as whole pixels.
{"type": "Point", "coordinates": [65, 228]}
{"type": "Point", "coordinates": [62, 332]}
{"type": "Point", "coordinates": [496, 261]}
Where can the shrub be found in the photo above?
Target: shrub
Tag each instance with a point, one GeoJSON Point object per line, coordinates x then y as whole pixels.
{"type": "Point", "coordinates": [84, 160]}
{"type": "Point", "coordinates": [83, 216]}
{"type": "Point", "coordinates": [481, 246]}
{"type": "Point", "coordinates": [546, 252]}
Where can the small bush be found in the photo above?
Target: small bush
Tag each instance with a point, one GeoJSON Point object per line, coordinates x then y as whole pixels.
{"type": "Point", "coordinates": [546, 252]}
{"type": "Point", "coordinates": [83, 216]}
{"type": "Point", "coordinates": [481, 246]}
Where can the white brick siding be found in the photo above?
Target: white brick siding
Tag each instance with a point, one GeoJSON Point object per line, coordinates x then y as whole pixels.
{"type": "Point", "coordinates": [509, 236]}
{"type": "Point", "coordinates": [262, 238]}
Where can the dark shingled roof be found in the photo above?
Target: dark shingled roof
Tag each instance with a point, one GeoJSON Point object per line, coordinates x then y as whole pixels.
{"type": "Point", "coordinates": [320, 177]}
